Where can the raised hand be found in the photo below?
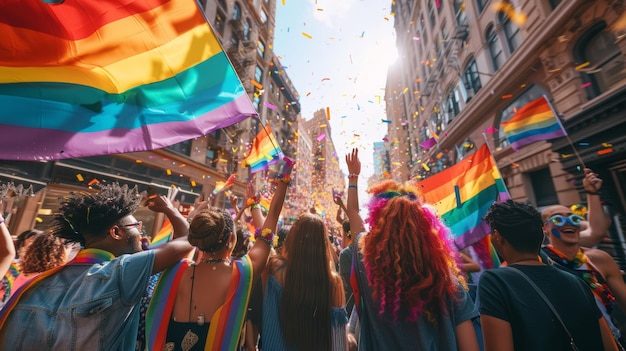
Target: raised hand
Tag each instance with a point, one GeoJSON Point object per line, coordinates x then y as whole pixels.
{"type": "Point", "coordinates": [353, 162]}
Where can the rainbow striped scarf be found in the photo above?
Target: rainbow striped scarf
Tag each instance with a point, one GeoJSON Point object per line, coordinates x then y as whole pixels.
{"type": "Point", "coordinates": [227, 322]}
{"type": "Point", "coordinates": [84, 257]}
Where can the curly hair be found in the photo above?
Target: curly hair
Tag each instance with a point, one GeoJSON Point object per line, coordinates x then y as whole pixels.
{"type": "Point", "coordinates": [408, 255]}
{"type": "Point", "coordinates": [88, 214]}
{"type": "Point", "coordinates": [308, 252]}
{"type": "Point", "coordinates": [46, 252]}
{"type": "Point", "coordinates": [210, 229]}
{"type": "Point", "coordinates": [519, 223]}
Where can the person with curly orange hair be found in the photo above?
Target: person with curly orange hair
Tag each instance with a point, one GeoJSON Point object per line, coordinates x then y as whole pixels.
{"type": "Point", "coordinates": [408, 291]}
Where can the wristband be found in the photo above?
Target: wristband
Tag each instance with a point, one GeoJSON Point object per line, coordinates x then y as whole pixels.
{"type": "Point", "coordinates": [353, 187]}
{"type": "Point", "coordinates": [1, 219]}
{"type": "Point", "coordinates": [592, 192]}
{"type": "Point", "coordinates": [252, 201]}
{"type": "Point", "coordinates": [352, 175]}
{"type": "Point", "coordinates": [266, 235]}
{"type": "Point", "coordinates": [285, 178]}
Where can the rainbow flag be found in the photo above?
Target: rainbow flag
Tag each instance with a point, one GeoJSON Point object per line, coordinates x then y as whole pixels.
{"type": "Point", "coordinates": [221, 186]}
{"type": "Point", "coordinates": [535, 121]}
{"type": "Point", "coordinates": [264, 152]}
{"type": "Point", "coordinates": [164, 235]}
{"type": "Point", "coordinates": [463, 194]}
{"type": "Point", "coordinates": [85, 78]}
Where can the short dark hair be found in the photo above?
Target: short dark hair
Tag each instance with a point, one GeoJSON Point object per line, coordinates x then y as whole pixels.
{"type": "Point", "coordinates": [519, 223]}
{"type": "Point", "coordinates": [92, 214]}
{"type": "Point", "coordinates": [346, 227]}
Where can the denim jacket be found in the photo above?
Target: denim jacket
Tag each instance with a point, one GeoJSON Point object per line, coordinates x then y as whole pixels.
{"type": "Point", "coordinates": [81, 307]}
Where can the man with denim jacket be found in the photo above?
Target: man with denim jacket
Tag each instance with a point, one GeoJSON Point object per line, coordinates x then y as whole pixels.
{"type": "Point", "coordinates": [91, 303]}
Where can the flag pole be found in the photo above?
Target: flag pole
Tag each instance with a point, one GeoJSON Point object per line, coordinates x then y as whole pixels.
{"type": "Point", "coordinates": [556, 116]}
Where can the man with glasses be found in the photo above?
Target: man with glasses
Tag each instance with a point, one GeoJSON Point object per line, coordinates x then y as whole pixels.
{"type": "Point", "coordinates": [92, 302]}
{"type": "Point", "coordinates": [596, 267]}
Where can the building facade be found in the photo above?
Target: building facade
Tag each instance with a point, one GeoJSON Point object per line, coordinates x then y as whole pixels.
{"type": "Point", "coordinates": [469, 65]}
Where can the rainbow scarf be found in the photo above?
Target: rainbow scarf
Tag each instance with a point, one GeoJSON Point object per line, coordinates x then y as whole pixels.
{"type": "Point", "coordinates": [225, 325]}
{"type": "Point", "coordinates": [264, 152]}
{"type": "Point", "coordinates": [463, 194]}
{"type": "Point", "coordinates": [9, 278]}
{"type": "Point", "coordinates": [83, 78]}
{"type": "Point", "coordinates": [164, 235]}
{"type": "Point", "coordinates": [84, 257]}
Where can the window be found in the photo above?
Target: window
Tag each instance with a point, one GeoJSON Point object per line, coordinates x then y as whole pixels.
{"type": "Point", "coordinates": [236, 12]}
{"type": "Point", "coordinates": [452, 104]}
{"type": "Point", "coordinates": [258, 74]}
{"type": "Point", "coordinates": [246, 29]}
{"type": "Point", "coordinates": [260, 48]}
{"type": "Point", "coordinates": [182, 147]}
{"type": "Point", "coordinates": [471, 79]}
{"type": "Point", "coordinates": [459, 12]}
{"type": "Point", "coordinates": [511, 32]}
{"type": "Point", "coordinates": [604, 61]}
{"type": "Point", "coordinates": [480, 5]}
{"type": "Point", "coordinates": [532, 93]}
{"type": "Point", "coordinates": [543, 188]}
{"type": "Point", "coordinates": [495, 49]}
{"type": "Point", "coordinates": [554, 3]}
{"type": "Point", "coordinates": [263, 16]}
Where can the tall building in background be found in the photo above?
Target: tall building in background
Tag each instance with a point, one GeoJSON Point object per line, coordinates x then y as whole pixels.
{"type": "Point", "coordinates": [466, 66]}
{"type": "Point", "coordinates": [245, 30]}
{"type": "Point", "coordinates": [325, 172]}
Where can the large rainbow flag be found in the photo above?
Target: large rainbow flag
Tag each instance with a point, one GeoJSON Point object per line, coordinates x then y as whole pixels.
{"type": "Point", "coordinates": [535, 121]}
{"type": "Point", "coordinates": [84, 78]}
{"type": "Point", "coordinates": [463, 194]}
{"type": "Point", "coordinates": [265, 151]}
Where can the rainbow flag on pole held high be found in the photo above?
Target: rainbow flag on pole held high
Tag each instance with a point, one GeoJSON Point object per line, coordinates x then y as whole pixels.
{"type": "Point", "coordinates": [535, 121]}
{"type": "Point", "coordinates": [264, 152]}
{"type": "Point", "coordinates": [82, 78]}
{"type": "Point", "coordinates": [463, 194]}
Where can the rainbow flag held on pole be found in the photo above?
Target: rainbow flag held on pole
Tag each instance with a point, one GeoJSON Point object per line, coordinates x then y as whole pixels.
{"type": "Point", "coordinates": [164, 235]}
{"type": "Point", "coordinates": [264, 152]}
{"type": "Point", "coordinates": [533, 122]}
{"type": "Point", "coordinates": [83, 78]}
{"type": "Point", "coordinates": [463, 194]}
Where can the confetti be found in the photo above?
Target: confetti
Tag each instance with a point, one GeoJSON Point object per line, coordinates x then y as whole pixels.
{"type": "Point", "coordinates": [321, 137]}
{"type": "Point", "coordinates": [80, 177]}
{"type": "Point", "coordinates": [605, 151]}
{"type": "Point", "coordinates": [582, 65]}
{"type": "Point", "coordinates": [386, 121]}
{"type": "Point", "coordinates": [328, 113]}
{"type": "Point", "coordinates": [588, 84]}
{"type": "Point", "coordinates": [307, 35]}
{"type": "Point", "coordinates": [270, 106]}
{"type": "Point", "coordinates": [507, 96]}
{"type": "Point", "coordinates": [256, 84]}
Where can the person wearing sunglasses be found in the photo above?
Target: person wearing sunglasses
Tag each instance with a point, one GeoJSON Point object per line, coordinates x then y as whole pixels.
{"type": "Point", "coordinates": [596, 267]}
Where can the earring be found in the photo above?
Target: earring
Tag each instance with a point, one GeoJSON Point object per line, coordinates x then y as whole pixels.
{"type": "Point", "coordinates": [230, 246]}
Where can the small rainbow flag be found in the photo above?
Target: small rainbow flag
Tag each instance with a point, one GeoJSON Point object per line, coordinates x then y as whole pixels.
{"type": "Point", "coordinates": [221, 186]}
{"type": "Point", "coordinates": [463, 194]}
{"type": "Point", "coordinates": [264, 152]}
{"type": "Point", "coordinates": [535, 121]}
{"type": "Point", "coordinates": [83, 78]}
{"type": "Point", "coordinates": [164, 235]}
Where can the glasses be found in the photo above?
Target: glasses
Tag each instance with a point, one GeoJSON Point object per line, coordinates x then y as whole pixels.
{"type": "Point", "coordinates": [138, 225]}
{"type": "Point", "coordinates": [560, 221]}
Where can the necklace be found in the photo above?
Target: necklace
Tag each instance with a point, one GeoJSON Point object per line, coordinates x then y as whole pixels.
{"type": "Point", "coordinates": [214, 261]}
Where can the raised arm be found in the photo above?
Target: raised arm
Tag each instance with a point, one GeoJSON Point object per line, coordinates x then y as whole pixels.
{"type": "Point", "coordinates": [264, 237]}
{"type": "Point", "coordinates": [352, 209]}
{"type": "Point", "coordinates": [171, 252]}
{"type": "Point", "coordinates": [598, 222]}
{"type": "Point", "coordinates": [7, 249]}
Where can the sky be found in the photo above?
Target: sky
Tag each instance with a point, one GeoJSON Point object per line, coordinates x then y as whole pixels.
{"type": "Point", "coordinates": [336, 54]}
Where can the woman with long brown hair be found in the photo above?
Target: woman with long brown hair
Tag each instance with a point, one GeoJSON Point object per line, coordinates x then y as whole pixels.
{"type": "Point", "coordinates": [405, 279]}
{"type": "Point", "coordinates": [304, 298]}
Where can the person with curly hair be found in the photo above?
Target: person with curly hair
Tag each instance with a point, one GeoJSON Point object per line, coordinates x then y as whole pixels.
{"type": "Point", "coordinates": [514, 316]}
{"type": "Point", "coordinates": [304, 299]}
{"type": "Point", "coordinates": [45, 251]}
{"type": "Point", "coordinates": [408, 291]}
{"type": "Point", "coordinates": [92, 302]}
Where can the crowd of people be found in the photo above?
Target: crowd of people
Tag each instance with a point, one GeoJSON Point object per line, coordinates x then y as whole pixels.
{"type": "Point", "coordinates": [392, 281]}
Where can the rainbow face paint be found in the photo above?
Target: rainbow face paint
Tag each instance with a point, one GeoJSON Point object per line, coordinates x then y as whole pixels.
{"type": "Point", "coordinates": [556, 233]}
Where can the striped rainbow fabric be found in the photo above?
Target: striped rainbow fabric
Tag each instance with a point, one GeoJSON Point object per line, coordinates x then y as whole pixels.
{"type": "Point", "coordinates": [226, 324]}
{"type": "Point", "coordinates": [265, 151]}
{"type": "Point", "coordinates": [84, 78]}
{"type": "Point", "coordinates": [164, 234]}
{"type": "Point", "coordinates": [535, 121]}
{"type": "Point", "coordinates": [463, 194]}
